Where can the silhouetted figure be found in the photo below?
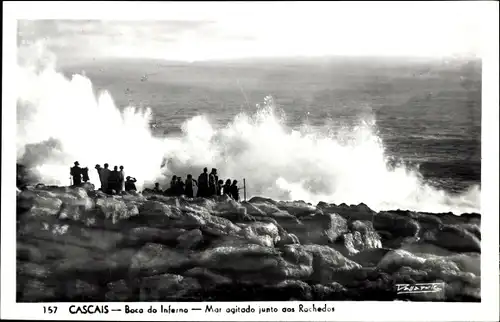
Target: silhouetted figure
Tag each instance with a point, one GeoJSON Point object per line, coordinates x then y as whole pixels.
{"type": "Point", "coordinates": [179, 187]}
{"type": "Point", "coordinates": [220, 183]}
{"type": "Point", "coordinates": [105, 173]}
{"type": "Point", "coordinates": [190, 186]}
{"type": "Point", "coordinates": [99, 170]}
{"type": "Point", "coordinates": [203, 185]}
{"type": "Point", "coordinates": [170, 191]}
{"type": "Point", "coordinates": [76, 174]}
{"type": "Point", "coordinates": [121, 180]}
{"type": "Point", "coordinates": [114, 180]}
{"type": "Point", "coordinates": [130, 184]}
{"type": "Point", "coordinates": [85, 174]}
{"type": "Point", "coordinates": [226, 189]}
{"type": "Point", "coordinates": [235, 191]}
{"type": "Point", "coordinates": [157, 188]}
{"type": "Point", "coordinates": [213, 182]}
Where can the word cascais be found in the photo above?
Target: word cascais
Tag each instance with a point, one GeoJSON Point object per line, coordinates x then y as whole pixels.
{"type": "Point", "coordinates": [419, 288]}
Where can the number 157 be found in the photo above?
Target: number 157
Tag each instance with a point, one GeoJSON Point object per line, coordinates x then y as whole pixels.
{"type": "Point", "coordinates": [50, 309]}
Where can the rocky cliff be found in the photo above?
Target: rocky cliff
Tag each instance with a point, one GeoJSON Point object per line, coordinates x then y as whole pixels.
{"type": "Point", "coordinates": [82, 245]}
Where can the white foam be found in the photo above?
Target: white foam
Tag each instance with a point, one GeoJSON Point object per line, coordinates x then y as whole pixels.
{"type": "Point", "coordinates": [66, 122]}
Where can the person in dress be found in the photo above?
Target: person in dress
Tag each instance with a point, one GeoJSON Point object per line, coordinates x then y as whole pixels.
{"type": "Point", "coordinates": [121, 180]}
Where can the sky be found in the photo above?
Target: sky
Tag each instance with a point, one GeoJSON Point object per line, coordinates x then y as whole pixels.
{"type": "Point", "coordinates": [205, 31]}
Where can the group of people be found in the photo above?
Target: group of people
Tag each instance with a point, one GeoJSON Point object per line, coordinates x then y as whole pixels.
{"type": "Point", "coordinates": [114, 182]}
{"type": "Point", "coordinates": [111, 181]}
{"type": "Point", "coordinates": [207, 185]}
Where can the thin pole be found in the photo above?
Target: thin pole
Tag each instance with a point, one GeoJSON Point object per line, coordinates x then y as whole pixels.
{"type": "Point", "coordinates": [244, 189]}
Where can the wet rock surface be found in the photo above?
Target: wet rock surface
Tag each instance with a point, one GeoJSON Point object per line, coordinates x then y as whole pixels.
{"type": "Point", "coordinates": [78, 244]}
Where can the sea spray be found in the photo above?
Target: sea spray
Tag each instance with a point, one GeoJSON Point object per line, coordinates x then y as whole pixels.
{"type": "Point", "coordinates": [61, 120]}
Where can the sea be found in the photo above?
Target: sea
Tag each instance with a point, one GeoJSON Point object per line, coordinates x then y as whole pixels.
{"type": "Point", "coordinates": [392, 133]}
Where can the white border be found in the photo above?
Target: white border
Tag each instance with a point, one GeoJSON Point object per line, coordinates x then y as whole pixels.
{"type": "Point", "coordinates": [487, 310]}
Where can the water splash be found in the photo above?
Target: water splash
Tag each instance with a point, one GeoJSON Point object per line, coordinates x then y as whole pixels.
{"type": "Point", "coordinates": [61, 120]}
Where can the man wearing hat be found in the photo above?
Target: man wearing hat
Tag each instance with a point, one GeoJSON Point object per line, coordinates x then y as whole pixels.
{"type": "Point", "coordinates": [76, 173]}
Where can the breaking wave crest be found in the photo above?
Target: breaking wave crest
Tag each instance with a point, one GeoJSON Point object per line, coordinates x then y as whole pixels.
{"type": "Point", "coordinates": [61, 120]}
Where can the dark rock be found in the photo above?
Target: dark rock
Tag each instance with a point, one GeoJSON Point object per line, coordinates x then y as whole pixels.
{"type": "Point", "coordinates": [168, 286]}
{"type": "Point", "coordinates": [455, 238]}
{"type": "Point", "coordinates": [143, 235]}
{"type": "Point", "coordinates": [190, 239]}
{"type": "Point", "coordinates": [262, 200]}
{"type": "Point", "coordinates": [209, 224]}
{"type": "Point", "coordinates": [103, 269]}
{"type": "Point", "coordinates": [396, 259]}
{"type": "Point", "coordinates": [298, 208]}
{"type": "Point", "coordinates": [265, 234]}
{"type": "Point", "coordinates": [249, 258]}
{"type": "Point", "coordinates": [34, 271]}
{"type": "Point", "coordinates": [119, 291]}
{"type": "Point", "coordinates": [28, 252]}
{"type": "Point", "coordinates": [370, 257]}
{"type": "Point", "coordinates": [359, 212]}
{"type": "Point", "coordinates": [79, 290]}
{"type": "Point", "coordinates": [398, 226]}
{"type": "Point", "coordinates": [154, 259]}
{"type": "Point", "coordinates": [36, 290]}
{"type": "Point", "coordinates": [207, 277]}
{"type": "Point", "coordinates": [289, 290]}
{"type": "Point", "coordinates": [287, 239]}
{"type": "Point", "coordinates": [328, 263]}
{"type": "Point", "coordinates": [361, 236]}
{"type": "Point", "coordinates": [88, 186]}
{"type": "Point", "coordinates": [78, 244]}
{"type": "Point", "coordinates": [319, 229]}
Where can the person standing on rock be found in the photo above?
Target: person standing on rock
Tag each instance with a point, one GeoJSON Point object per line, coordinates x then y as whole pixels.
{"type": "Point", "coordinates": [220, 183]}
{"type": "Point", "coordinates": [203, 184]}
{"type": "Point", "coordinates": [121, 180]}
{"type": "Point", "coordinates": [190, 186]}
{"type": "Point", "coordinates": [85, 174]}
{"type": "Point", "coordinates": [171, 190]}
{"type": "Point", "coordinates": [105, 173]}
{"type": "Point", "coordinates": [213, 183]}
{"type": "Point", "coordinates": [114, 180]}
{"type": "Point", "coordinates": [76, 174]}
{"type": "Point", "coordinates": [235, 191]}
{"type": "Point", "coordinates": [226, 189]}
{"type": "Point", "coordinates": [99, 170]}
{"type": "Point", "coordinates": [179, 187]}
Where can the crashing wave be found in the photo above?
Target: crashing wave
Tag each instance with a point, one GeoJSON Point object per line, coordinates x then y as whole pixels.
{"type": "Point", "coordinates": [61, 120]}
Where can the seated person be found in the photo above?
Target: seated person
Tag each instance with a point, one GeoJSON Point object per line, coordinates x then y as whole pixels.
{"type": "Point", "coordinates": [157, 188]}
{"type": "Point", "coordinates": [130, 184]}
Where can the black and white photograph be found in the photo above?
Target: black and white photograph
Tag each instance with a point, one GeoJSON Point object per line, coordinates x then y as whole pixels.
{"type": "Point", "coordinates": [251, 152]}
